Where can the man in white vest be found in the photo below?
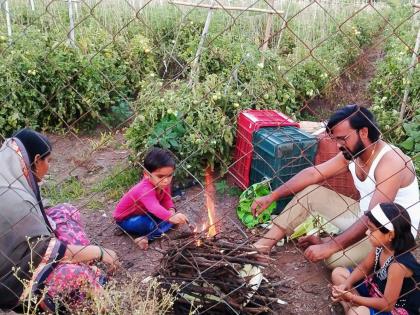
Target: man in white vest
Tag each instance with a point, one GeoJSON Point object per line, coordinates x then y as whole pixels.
{"type": "Point", "coordinates": [381, 173]}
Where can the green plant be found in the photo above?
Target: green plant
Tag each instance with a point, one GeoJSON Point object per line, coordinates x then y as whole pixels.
{"type": "Point", "coordinates": [68, 190]}
{"type": "Point", "coordinates": [118, 114]}
{"type": "Point", "coordinates": [106, 138]}
{"type": "Point", "coordinates": [412, 130]}
{"type": "Point", "coordinates": [167, 132]}
{"type": "Point", "coordinates": [391, 81]}
{"type": "Point", "coordinates": [45, 83]}
{"type": "Point", "coordinates": [412, 143]}
{"type": "Point", "coordinates": [222, 187]}
{"type": "Point", "coordinates": [118, 182]}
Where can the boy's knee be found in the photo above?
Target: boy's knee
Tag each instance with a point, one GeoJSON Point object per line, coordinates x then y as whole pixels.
{"type": "Point", "coordinates": [339, 275]}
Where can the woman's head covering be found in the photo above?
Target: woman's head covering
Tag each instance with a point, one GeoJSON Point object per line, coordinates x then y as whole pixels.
{"type": "Point", "coordinates": [34, 143]}
{"type": "Point", "coordinates": [25, 230]}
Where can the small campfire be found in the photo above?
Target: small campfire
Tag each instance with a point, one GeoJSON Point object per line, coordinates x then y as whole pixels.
{"type": "Point", "coordinates": [213, 275]}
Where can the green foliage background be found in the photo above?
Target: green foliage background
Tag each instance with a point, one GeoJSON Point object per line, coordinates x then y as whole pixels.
{"type": "Point", "coordinates": [124, 67]}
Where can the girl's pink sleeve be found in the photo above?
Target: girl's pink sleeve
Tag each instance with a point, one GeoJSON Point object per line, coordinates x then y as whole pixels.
{"type": "Point", "coordinates": [167, 199]}
{"type": "Point", "coordinates": [152, 204]}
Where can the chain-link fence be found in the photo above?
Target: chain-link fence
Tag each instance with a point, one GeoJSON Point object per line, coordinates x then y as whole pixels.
{"type": "Point", "coordinates": [262, 145]}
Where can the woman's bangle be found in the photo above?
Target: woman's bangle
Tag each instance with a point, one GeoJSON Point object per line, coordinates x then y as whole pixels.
{"type": "Point", "coordinates": [101, 256]}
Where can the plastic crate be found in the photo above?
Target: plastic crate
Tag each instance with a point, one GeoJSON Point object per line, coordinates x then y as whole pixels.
{"type": "Point", "coordinates": [279, 154]}
{"type": "Point", "coordinates": [342, 183]}
{"type": "Point", "coordinates": [248, 122]}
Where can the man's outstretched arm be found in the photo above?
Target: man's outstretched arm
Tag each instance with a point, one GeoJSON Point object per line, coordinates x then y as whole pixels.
{"type": "Point", "coordinates": [388, 181]}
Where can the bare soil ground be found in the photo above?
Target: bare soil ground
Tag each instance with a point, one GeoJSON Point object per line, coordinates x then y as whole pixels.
{"type": "Point", "coordinates": [351, 87]}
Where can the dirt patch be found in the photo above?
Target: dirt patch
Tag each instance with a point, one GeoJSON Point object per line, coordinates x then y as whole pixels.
{"type": "Point", "coordinates": [351, 87]}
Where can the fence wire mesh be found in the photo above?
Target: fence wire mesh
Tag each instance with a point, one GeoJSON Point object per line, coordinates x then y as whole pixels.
{"type": "Point", "coordinates": [237, 98]}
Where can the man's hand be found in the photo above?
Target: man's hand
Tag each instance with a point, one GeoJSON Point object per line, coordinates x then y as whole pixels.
{"type": "Point", "coordinates": [260, 204]}
{"type": "Point", "coordinates": [319, 252]}
{"type": "Point", "coordinates": [306, 241]}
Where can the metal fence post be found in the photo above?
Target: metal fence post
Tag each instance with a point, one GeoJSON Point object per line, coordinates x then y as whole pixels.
{"type": "Point", "coordinates": [71, 18]}
{"type": "Point", "coordinates": [32, 4]}
{"type": "Point", "coordinates": [8, 20]}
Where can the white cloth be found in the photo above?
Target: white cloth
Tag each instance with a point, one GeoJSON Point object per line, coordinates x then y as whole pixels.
{"type": "Point", "coordinates": [408, 196]}
{"type": "Point", "coordinates": [381, 217]}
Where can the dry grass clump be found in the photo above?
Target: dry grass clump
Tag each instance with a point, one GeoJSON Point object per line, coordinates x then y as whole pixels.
{"type": "Point", "coordinates": [131, 296]}
{"type": "Point", "coordinates": [128, 296]}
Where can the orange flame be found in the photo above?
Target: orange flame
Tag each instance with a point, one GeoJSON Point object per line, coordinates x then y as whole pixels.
{"type": "Point", "coordinates": [210, 196]}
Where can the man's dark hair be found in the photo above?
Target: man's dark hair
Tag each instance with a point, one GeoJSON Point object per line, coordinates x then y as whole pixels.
{"type": "Point", "coordinates": [359, 117]}
{"type": "Point", "coordinates": [157, 158]}
{"type": "Point", "coordinates": [400, 219]}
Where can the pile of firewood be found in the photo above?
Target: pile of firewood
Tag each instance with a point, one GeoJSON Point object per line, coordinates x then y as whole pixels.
{"type": "Point", "coordinates": [209, 278]}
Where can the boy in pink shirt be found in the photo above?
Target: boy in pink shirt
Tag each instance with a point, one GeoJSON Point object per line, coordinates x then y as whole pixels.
{"type": "Point", "coordinates": [147, 209]}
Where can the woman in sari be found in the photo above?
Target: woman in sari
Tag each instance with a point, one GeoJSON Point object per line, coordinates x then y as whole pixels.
{"type": "Point", "coordinates": [44, 255]}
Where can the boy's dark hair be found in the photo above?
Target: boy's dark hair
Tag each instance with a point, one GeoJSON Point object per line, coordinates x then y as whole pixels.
{"type": "Point", "coordinates": [157, 158]}
{"type": "Point", "coordinates": [400, 219]}
{"type": "Point", "coordinates": [359, 117]}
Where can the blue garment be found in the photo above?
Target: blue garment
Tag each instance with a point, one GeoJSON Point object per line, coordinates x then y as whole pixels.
{"type": "Point", "coordinates": [145, 225]}
{"type": "Point", "coordinates": [410, 293]}
{"type": "Point", "coordinates": [363, 290]}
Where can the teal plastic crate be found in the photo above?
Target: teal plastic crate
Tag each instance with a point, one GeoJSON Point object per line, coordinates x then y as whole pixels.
{"type": "Point", "coordinates": [279, 154]}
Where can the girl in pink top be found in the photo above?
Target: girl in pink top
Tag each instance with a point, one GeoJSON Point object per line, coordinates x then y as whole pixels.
{"type": "Point", "coordinates": [147, 209]}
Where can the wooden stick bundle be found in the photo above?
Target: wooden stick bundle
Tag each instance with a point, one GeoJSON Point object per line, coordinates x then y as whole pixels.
{"type": "Point", "coordinates": [205, 273]}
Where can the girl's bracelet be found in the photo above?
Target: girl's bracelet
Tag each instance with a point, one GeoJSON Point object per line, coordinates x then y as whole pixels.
{"type": "Point", "coordinates": [101, 256]}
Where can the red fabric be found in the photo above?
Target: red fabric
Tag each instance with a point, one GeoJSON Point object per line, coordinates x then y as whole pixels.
{"type": "Point", "coordinates": [142, 199]}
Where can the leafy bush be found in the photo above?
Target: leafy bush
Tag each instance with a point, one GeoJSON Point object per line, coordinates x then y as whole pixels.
{"type": "Point", "coordinates": [199, 124]}
{"type": "Point", "coordinates": [125, 66]}
{"type": "Point", "coordinates": [194, 126]}
{"type": "Point", "coordinates": [51, 85]}
{"type": "Point", "coordinates": [391, 81]}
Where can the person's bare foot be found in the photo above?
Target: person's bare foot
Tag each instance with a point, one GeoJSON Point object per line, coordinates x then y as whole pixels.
{"type": "Point", "coordinates": [142, 242]}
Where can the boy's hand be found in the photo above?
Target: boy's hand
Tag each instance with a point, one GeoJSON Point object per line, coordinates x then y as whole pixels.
{"type": "Point", "coordinates": [178, 218]}
{"type": "Point", "coordinates": [172, 211]}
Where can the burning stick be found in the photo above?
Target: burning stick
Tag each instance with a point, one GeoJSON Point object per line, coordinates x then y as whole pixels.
{"type": "Point", "coordinates": [191, 226]}
{"type": "Point", "coordinates": [210, 197]}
